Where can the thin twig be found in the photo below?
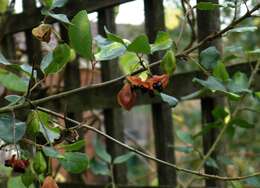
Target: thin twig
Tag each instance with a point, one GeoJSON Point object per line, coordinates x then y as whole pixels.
{"type": "Point", "coordinates": [198, 173]}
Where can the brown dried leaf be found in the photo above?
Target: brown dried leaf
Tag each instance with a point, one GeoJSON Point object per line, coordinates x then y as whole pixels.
{"type": "Point", "coordinates": [42, 32]}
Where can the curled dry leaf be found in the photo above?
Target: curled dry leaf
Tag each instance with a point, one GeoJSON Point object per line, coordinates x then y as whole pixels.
{"type": "Point", "coordinates": [126, 97]}
{"type": "Point", "coordinates": [43, 32]}
{"type": "Point", "coordinates": [49, 182]}
{"type": "Point", "coordinates": [18, 165]}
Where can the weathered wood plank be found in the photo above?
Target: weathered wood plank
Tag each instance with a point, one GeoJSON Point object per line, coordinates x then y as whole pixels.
{"type": "Point", "coordinates": [33, 17]}
{"type": "Point", "coordinates": [161, 112]}
{"type": "Point", "coordinates": [180, 85]}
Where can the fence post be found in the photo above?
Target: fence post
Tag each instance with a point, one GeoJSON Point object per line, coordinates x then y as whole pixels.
{"type": "Point", "coordinates": [113, 118]}
{"type": "Point", "coordinates": [209, 22]}
{"type": "Point", "coordinates": [162, 114]}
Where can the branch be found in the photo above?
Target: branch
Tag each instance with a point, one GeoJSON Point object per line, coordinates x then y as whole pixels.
{"type": "Point", "coordinates": [80, 125]}
{"type": "Point", "coordinates": [121, 78]}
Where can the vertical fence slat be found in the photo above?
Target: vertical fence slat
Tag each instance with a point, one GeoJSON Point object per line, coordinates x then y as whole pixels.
{"type": "Point", "coordinates": [162, 114]}
{"type": "Point", "coordinates": [113, 118]}
{"type": "Point", "coordinates": [209, 22]}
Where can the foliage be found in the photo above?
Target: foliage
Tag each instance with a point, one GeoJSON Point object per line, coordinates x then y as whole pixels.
{"type": "Point", "coordinates": [43, 131]}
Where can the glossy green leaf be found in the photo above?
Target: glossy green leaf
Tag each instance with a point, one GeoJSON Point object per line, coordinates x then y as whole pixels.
{"type": "Point", "coordinates": [3, 6]}
{"type": "Point", "coordinates": [7, 127]}
{"type": "Point", "coordinates": [207, 6]}
{"type": "Point", "coordinates": [211, 83]}
{"type": "Point", "coordinates": [33, 123]}
{"type": "Point", "coordinates": [60, 17]}
{"type": "Point", "coordinates": [168, 63]}
{"type": "Point", "coordinates": [114, 37]}
{"type": "Point", "coordinates": [39, 163]}
{"type": "Point", "coordinates": [99, 167]}
{"type": "Point", "coordinates": [16, 181]}
{"type": "Point", "coordinates": [50, 133]}
{"type": "Point", "coordinates": [110, 51]}
{"type": "Point", "coordinates": [220, 72]}
{"type": "Point", "coordinates": [123, 158]}
{"type": "Point", "coordinates": [51, 152]}
{"type": "Point", "coordinates": [209, 57]}
{"type": "Point", "coordinates": [58, 3]}
{"type": "Point", "coordinates": [128, 62]}
{"type": "Point", "coordinates": [61, 56]}
{"type": "Point", "coordinates": [74, 162]}
{"type": "Point", "coordinates": [12, 81]}
{"type": "Point", "coordinates": [140, 45]}
{"type": "Point", "coordinates": [74, 147]}
{"type": "Point", "coordinates": [184, 136]}
{"type": "Point", "coordinates": [170, 100]}
{"type": "Point", "coordinates": [47, 3]}
{"type": "Point", "coordinates": [14, 98]}
{"type": "Point", "coordinates": [242, 123]}
{"type": "Point", "coordinates": [101, 151]}
{"type": "Point", "coordinates": [163, 41]}
{"type": "Point", "coordinates": [28, 177]}
{"type": "Point", "coordinates": [46, 61]}
{"type": "Point", "coordinates": [80, 35]}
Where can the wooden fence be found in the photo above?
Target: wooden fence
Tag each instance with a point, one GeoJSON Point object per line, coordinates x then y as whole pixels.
{"type": "Point", "coordinates": [104, 97]}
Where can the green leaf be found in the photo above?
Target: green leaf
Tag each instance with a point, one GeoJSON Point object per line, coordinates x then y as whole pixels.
{"type": "Point", "coordinates": [243, 29]}
{"type": "Point", "coordinates": [110, 51]}
{"type": "Point", "coordinates": [28, 177]}
{"type": "Point", "coordinates": [101, 151]}
{"type": "Point", "coordinates": [3, 6]}
{"type": "Point", "coordinates": [140, 45]}
{"type": "Point", "coordinates": [60, 17]}
{"type": "Point", "coordinates": [172, 101]}
{"type": "Point", "coordinates": [46, 61]}
{"type": "Point", "coordinates": [5, 171]}
{"type": "Point", "coordinates": [3, 60]}
{"type": "Point", "coordinates": [99, 167]}
{"type": "Point", "coordinates": [220, 72]}
{"type": "Point", "coordinates": [168, 63]}
{"type": "Point", "coordinates": [33, 123]}
{"type": "Point", "coordinates": [61, 56]}
{"type": "Point", "coordinates": [74, 147]}
{"type": "Point", "coordinates": [212, 163]}
{"type": "Point", "coordinates": [128, 62]}
{"type": "Point", "coordinates": [58, 3]}
{"type": "Point", "coordinates": [80, 35]}
{"type": "Point", "coordinates": [239, 83]}
{"type": "Point", "coordinates": [7, 127]}
{"type": "Point", "coordinates": [184, 136]}
{"type": "Point", "coordinates": [209, 57]}
{"type": "Point", "coordinates": [219, 113]}
{"type": "Point", "coordinates": [47, 3]}
{"type": "Point", "coordinates": [50, 133]}
{"type": "Point", "coordinates": [123, 158]}
{"type": "Point", "coordinates": [208, 6]}
{"type": "Point", "coordinates": [15, 182]}
{"type": "Point", "coordinates": [113, 37]}
{"type": "Point", "coordinates": [14, 98]}
{"type": "Point", "coordinates": [39, 163]}
{"type": "Point", "coordinates": [74, 162]}
{"type": "Point", "coordinates": [51, 152]}
{"type": "Point", "coordinates": [211, 83]}
{"type": "Point", "coordinates": [13, 82]}
{"type": "Point", "coordinates": [163, 41]}
{"type": "Point", "coordinates": [242, 123]}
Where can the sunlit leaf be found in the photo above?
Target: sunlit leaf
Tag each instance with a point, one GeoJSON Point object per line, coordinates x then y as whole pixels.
{"type": "Point", "coordinates": [74, 147]}
{"type": "Point", "coordinates": [140, 45]}
{"type": "Point", "coordinates": [114, 37]}
{"type": "Point", "coordinates": [163, 41]}
{"type": "Point", "coordinates": [168, 63]}
{"type": "Point", "coordinates": [80, 35]}
{"type": "Point", "coordinates": [12, 81]}
{"type": "Point", "coordinates": [110, 51]}
{"type": "Point", "coordinates": [60, 17]}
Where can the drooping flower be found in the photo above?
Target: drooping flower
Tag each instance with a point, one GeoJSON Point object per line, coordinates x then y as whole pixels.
{"type": "Point", "coordinates": [126, 97]}
{"type": "Point", "coordinates": [18, 165]}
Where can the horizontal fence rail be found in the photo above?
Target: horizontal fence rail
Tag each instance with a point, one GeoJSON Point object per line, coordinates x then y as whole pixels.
{"type": "Point", "coordinates": [21, 21]}
{"type": "Point", "coordinates": [105, 97]}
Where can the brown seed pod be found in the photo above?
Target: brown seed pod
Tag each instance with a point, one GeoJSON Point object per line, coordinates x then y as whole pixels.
{"type": "Point", "coordinates": [126, 97]}
{"type": "Point", "coordinates": [43, 32]}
